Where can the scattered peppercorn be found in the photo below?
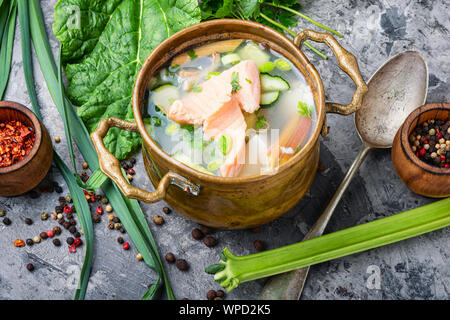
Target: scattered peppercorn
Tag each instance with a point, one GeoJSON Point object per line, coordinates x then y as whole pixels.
{"type": "Point", "coordinates": [72, 229]}
{"type": "Point", "coordinates": [57, 230]}
{"type": "Point", "coordinates": [44, 216]}
{"type": "Point", "coordinates": [30, 267]}
{"type": "Point", "coordinates": [36, 239]}
{"type": "Point", "coordinates": [210, 295]}
{"type": "Point", "coordinates": [59, 216]}
{"type": "Point", "coordinates": [170, 257]}
{"type": "Point", "coordinates": [104, 200]}
{"type": "Point", "coordinates": [158, 220]}
{"type": "Point", "coordinates": [210, 241]}
{"type": "Point", "coordinates": [50, 233]}
{"type": "Point", "coordinates": [66, 225]}
{"type": "Point", "coordinates": [57, 139]}
{"type": "Point", "coordinates": [116, 220]}
{"type": "Point", "coordinates": [69, 199]}
{"type": "Point", "coordinates": [131, 172]}
{"type": "Point", "coordinates": [58, 189]}
{"type": "Point", "coordinates": [110, 225]}
{"type": "Point", "coordinates": [54, 216]}
{"type": "Point", "coordinates": [2, 213]}
{"type": "Point", "coordinates": [259, 245]}
{"type": "Point", "coordinates": [181, 264]}
{"type": "Point", "coordinates": [126, 246]}
{"type": "Point", "coordinates": [108, 208]}
{"type": "Point", "coordinates": [117, 226]}
{"type": "Point", "coordinates": [197, 234]}
{"type": "Point", "coordinates": [85, 165]}
{"type": "Point", "coordinates": [29, 242]}
{"type": "Point", "coordinates": [96, 218]}
{"type": "Point", "coordinates": [70, 241]}
{"type": "Point", "coordinates": [19, 243]}
{"type": "Point", "coordinates": [99, 210]}
{"type": "Point", "coordinates": [28, 221]}
{"type": "Point", "coordinates": [43, 235]}
{"type": "Point", "coordinates": [130, 177]}
{"type": "Point", "coordinates": [56, 242]}
{"type": "Point", "coordinates": [7, 221]}
{"type": "Point", "coordinates": [122, 230]}
{"type": "Point", "coordinates": [139, 257]}
{"type": "Point", "coordinates": [220, 293]}
{"type": "Point", "coordinates": [111, 217]}
{"type": "Point", "coordinates": [120, 240]}
{"type": "Point", "coordinates": [167, 210]}
{"type": "Point", "coordinates": [77, 235]}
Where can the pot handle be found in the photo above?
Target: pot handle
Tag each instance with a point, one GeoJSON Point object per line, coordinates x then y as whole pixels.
{"type": "Point", "coordinates": [110, 166]}
{"type": "Point", "coordinates": [347, 62]}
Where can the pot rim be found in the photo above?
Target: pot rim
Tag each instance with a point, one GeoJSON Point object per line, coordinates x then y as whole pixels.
{"type": "Point", "coordinates": [38, 135]}
{"type": "Point", "coordinates": [141, 80]}
{"type": "Point", "coordinates": [404, 138]}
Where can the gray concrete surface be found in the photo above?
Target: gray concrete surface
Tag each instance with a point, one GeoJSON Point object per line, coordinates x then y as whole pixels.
{"type": "Point", "coordinates": [413, 269]}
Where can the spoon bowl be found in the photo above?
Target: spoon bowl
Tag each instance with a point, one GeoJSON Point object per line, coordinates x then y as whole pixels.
{"type": "Point", "coordinates": [396, 89]}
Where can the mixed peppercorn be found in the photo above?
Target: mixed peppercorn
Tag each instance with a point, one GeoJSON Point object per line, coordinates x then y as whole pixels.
{"type": "Point", "coordinates": [430, 141]}
{"type": "Point", "coordinates": [16, 141]}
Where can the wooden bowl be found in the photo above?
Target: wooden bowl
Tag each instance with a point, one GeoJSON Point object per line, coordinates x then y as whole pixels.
{"type": "Point", "coordinates": [26, 174]}
{"type": "Point", "coordinates": [420, 177]}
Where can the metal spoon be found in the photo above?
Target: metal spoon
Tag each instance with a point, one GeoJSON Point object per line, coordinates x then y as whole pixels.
{"type": "Point", "coordinates": [395, 90]}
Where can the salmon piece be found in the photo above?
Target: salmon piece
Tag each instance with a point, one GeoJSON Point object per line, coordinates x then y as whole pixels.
{"type": "Point", "coordinates": [195, 107]}
{"type": "Point", "coordinates": [293, 136]}
{"type": "Point", "coordinates": [228, 120]}
{"type": "Point", "coordinates": [249, 95]}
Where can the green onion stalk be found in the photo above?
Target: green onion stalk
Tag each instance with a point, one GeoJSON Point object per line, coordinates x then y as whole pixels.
{"type": "Point", "coordinates": [233, 270]}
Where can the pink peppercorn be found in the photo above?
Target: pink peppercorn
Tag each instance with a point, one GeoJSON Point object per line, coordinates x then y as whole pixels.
{"type": "Point", "coordinates": [77, 242]}
{"type": "Point", "coordinates": [67, 209]}
{"type": "Point", "coordinates": [438, 135]}
{"type": "Point", "coordinates": [50, 234]}
{"type": "Point", "coordinates": [447, 165]}
{"type": "Point", "coordinates": [442, 157]}
{"type": "Point", "coordinates": [72, 249]}
{"type": "Point", "coordinates": [99, 210]}
{"type": "Point", "coordinates": [422, 152]}
{"type": "Point", "coordinates": [126, 246]}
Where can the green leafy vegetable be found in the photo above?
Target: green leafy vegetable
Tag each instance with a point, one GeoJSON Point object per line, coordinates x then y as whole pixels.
{"type": "Point", "coordinates": [235, 86]}
{"type": "Point", "coordinates": [191, 54]}
{"type": "Point", "coordinates": [261, 122]}
{"type": "Point", "coordinates": [8, 11]}
{"type": "Point", "coordinates": [239, 269]}
{"type": "Point", "coordinates": [128, 211]}
{"type": "Point", "coordinates": [303, 109]}
{"type": "Point", "coordinates": [104, 44]}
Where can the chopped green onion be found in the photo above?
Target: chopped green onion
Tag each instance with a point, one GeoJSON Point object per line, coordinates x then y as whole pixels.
{"type": "Point", "coordinates": [282, 64]}
{"type": "Point", "coordinates": [211, 74]}
{"type": "Point", "coordinates": [224, 143]}
{"type": "Point", "coordinates": [235, 86]}
{"type": "Point", "coordinates": [266, 67]}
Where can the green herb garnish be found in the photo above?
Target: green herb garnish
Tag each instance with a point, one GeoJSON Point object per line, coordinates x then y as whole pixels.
{"type": "Point", "coordinates": [191, 53]}
{"type": "Point", "coordinates": [211, 74]}
{"type": "Point", "coordinates": [303, 109]}
{"type": "Point", "coordinates": [235, 86]}
{"type": "Point", "coordinates": [196, 89]}
{"type": "Point", "coordinates": [248, 80]}
{"type": "Point", "coordinates": [261, 122]}
{"type": "Point", "coordinates": [156, 121]}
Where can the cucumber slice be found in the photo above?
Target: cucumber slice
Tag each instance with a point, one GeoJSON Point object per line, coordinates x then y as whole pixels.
{"type": "Point", "coordinates": [164, 96]}
{"type": "Point", "coordinates": [251, 51]}
{"type": "Point", "coordinates": [273, 83]}
{"type": "Point", "coordinates": [232, 58]}
{"type": "Point", "coordinates": [268, 98]}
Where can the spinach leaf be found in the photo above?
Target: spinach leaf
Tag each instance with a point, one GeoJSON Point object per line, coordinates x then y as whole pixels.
{"type": "Point", "coordinates": [104, 44]}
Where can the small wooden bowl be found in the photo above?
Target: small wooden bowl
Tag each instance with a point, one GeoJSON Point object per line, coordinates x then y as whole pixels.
{"type": "Point", "coordinates": [420, 177]}
{"type": "Point", "coordinates": [26, 174]}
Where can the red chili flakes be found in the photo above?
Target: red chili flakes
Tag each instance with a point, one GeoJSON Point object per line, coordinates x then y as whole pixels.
{"type": "Point", "coordinates": [16, 141]}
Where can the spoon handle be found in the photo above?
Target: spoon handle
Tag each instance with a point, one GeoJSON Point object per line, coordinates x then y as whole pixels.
{"type": "Point", "coordinates": [289, 285]}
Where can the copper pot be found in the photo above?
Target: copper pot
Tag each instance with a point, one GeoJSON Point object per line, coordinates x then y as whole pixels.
{"type": "Point", "coordinates": [231, 203]}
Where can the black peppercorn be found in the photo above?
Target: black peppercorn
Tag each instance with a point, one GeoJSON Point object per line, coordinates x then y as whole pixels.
{"type": "Point", "coordinates": [210, 241]}
{"type": "Point", "coordinates": [125, 165]}
{"type": "Point", "coordinates": [6, 221]}
{"type": "Point", "coordinates": [197, 234]}
{"type": "Point", "coordinates": [72, 222]}
{"type": "Point", "coordinates": [110, 225]}
{"type": "Point", "coordinates": [56, 242]}
{"type": "Point", "coordinates": [210, 295]}
{"type": "Point", "coordinates": [170, 257]}
{"type": "Point", "coordinates": [70, 241]}
{"type": "Point", "coordinates": [220, 293]}
{"type": "Point", "coordinates": [58, 189]}
{"type": "Point", "coordinates": [116, 220]}
{"type": "Point", "coordinates": [63, 222]}
{"type": "Point", "coordinates": [259, 245]}
{"type": "Point", "coordinates": [122, 230]}
{"type": "Point", "coordinates": [120, 240]}
{"type": "Point", "coordinates": [77, 235]}
{"type": "Point", "coordinates": [43, 235]}
{"type": "Point", "coordinates": [66, 225]}
{"type": "Point", "coordinates": [69, 215]}
{"type": "Point", "coordinates": [167, 210]}
{"type": "Point", "coordinates": [28, 221]}
{"type": "Point", "coordinates": [57, 230]}
{"type": "Point", "coordinates": [72, 229]}
{"type": "Point", "coordinates": [30, 267]}
{"type": "Point", "coordinates": [181, 264]}
{"type": "Point", "coordinates": [133, 161]}
{"type": "Point", "coordinates": [29, 242]}
{"type": "Point", "coordinates": [96, 218]}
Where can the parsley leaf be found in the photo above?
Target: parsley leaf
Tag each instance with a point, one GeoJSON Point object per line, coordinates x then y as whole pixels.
{"type": "Point", "coordinates": [191, 54]}
{"type": "Point", "coordinates": [235, 86]}
{"type": "Point", "coordinates": [304, 109]}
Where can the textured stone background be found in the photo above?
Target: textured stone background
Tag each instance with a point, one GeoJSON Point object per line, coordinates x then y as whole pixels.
{"type": "Point", "coordinates": [413, 269]}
